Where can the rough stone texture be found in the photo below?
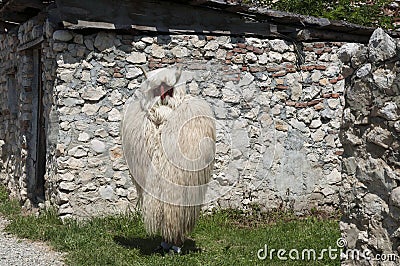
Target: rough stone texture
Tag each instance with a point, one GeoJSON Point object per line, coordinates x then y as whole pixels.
{"type": "Point", "coordinates": [278, 123]}
{"type": "Point", "coordinates": [370, 196]}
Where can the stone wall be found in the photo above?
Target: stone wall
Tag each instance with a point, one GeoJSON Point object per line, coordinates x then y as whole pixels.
{"type": "Point", "coordinates": [278, 122]}
{"type": "Point", "coordinates": [17, 107]}
{"type": "Point", "coordinates": [370, 196]}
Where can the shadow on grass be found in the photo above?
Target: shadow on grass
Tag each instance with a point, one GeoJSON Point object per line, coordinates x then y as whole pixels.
{"type": "Point", "coordinates": [147, 246]}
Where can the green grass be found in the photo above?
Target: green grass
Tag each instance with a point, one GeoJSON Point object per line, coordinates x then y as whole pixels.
{"type": "Point", "coordinates": [223, 238]}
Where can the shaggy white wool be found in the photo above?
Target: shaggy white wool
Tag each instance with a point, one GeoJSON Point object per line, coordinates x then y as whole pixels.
{"type": "Point", "coordinates": [169, 146]}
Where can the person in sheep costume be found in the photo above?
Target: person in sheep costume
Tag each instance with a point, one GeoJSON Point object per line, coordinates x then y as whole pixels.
{"type": "Point", "coordinates": [168, 139]}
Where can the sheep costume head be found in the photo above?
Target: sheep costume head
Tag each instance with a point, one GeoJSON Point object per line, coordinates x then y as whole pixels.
{"type": "Point", "coordinates": [168, 139]}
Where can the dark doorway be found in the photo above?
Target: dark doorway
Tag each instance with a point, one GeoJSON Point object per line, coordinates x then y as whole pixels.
{"type": "Point", "coordinates": [40, 162]}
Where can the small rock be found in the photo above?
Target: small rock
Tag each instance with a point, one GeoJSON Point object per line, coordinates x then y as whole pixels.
{"type": "Point", "coordinates": [333, 103]}
{"type": "Point", "coordinates": [364, 70]}
{"type": "Point", "coordinates": [90, 109]}
{"type": "Point", "coordinates": [148, 40]}
{"type": "Point", "coordinates": [389, 111]}
{"type": "Point", "coordinates": [180, 52]}
{"type": "Point", "coordinates": [114, 115]}
{"type": "Point", "coordinates": [246, 80]}
{"type": "Point", "coordinates": [67, 186]}
{"type": "Point", "coordinates": [316, 123]}
{"type": "Point", "coordinates": [395, 197]}
{"type": "Point", "coordinates": [83, 137]}
{"type": "Point", "coordinates": [212, 45]}
{"type": "Point", "coordinates": [211, 90]}
{"type": "Point", "coordinates": [279, 46]}
{"type": "Point", "coordinates": [136, 58]}
{"type": "Point", "coordinates": [334, 177]}
{"type": "Point", "coordinates": [62, 35]}
{"type": "Point", "coordinates": [157, 51]}
{"type": "Point", "coordinates": [347, 51]}
{"type": "Point", "coordinates": [77, 152]}
{"type": "Point", "coordinates": [281, 125]}
{"type": "Point", "coordinates": [133, 72]}
{"type": "Point", "coordinates": [380, 137]}
{"type": "Point", "coordinates": [98, 146]}
{"type": "Point", "coordinates": [104, 40]}
{"type": "Point", "coordinates": [318, 135]}
{"type": "Point", "coordinates": [107, 193]}
{"type": "Point", "coordinates": [93, 94]}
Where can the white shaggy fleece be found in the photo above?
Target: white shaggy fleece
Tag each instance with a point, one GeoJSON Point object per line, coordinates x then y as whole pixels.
{"type": "Point", "coordinates": [169, 146]}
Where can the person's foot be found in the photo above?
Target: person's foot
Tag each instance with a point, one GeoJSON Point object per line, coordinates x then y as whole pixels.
{"type": "Point", "coordinates": [168, 248]}
{"type": "Point", "coordinates": [175, 250]}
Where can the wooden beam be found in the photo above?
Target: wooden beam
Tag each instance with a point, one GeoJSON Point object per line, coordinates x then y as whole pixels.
{"type": "Point", "coordinates": [20, 10]}
{"type": "Point", "coordinates": [161, 16]}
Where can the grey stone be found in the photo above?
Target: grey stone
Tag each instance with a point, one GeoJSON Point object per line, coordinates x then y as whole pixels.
{"type": "Point", "coordinates": [251, 57]}
{"type": "Point", "coordinates": [315, 123]}
{"type": "Point", "coordinates": [296, 91]}
{"type": "Point", "coordinates": [334, 177]}
{"type": "Point", "coordinates": [136, 58]}
{"type": "Point", "coordinates": [389, 111]}
{"type": "Point", "coordinates": [318, 135]}
{"type": "Point", "coordinates": [67, 186]}
{"type": "Point", "coordinates": [74, 163]}
{"type": "Point", "coordinates": [395, 197]}
{"type": "Point", "coordinates": [364, 70]}
{"type": "Point", "coordinates": [133, 72]}
{"type": "Point", "coordinates": [347, 51]}
{"type": "Point", "coordinates": [62, 35]}
{"type": "Point", "coordinates": [279, 46]}
{"type": "Point", "coordinates": [157, 51]}
{"type": "Point", "coordinates": [381, 46]}
{"type": "Point", "coordinates": [69, 177]}
{"type": "Point", "coordinates": [104, 40]}
{"type": "Point", "coordinates": [383, 78]}
{"type": "Point", "coordinates": [107, 193]}
{"type": "Point", "coordinates": [90, 109]}
{"type": "Point", "coordinates": [274, 57]}
{"type": "Point", "coordinates": [246, 80]}
{"type": "Point", "coordinates": [230, 95]}
{"type": "Point", "coordinates": [380, 137]}
{"type": "Point", "coordinates": [98, 146]}
{"type": "Point", "coordinates": [263, 59]}
{"type": "Point", "coordinates": [212, 45]}
{"type": "Point", "coordinates": [114, 115]}
{"type": "Point", "coordinates": [148, 40]}
{"type": "Point", "coordinates": [93, 94]}
{"type": "Point", "coordinates": [89, 44]}
{"type": "Point", "coordinates": [180, 52]}
{"type": "Point", "coordinates": [211, 90]}
{"type": "Point", "coordinates": [78, 39]}
{"type": "Point", "coordinates": [77, 152]}
{"type": "Point", "coordinates": [83, 137]}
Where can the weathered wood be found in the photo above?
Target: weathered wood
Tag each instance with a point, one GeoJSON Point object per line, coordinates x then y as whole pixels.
{"type": "Point", "coordinates": [20, 10]}
{"type": "Point", "coordinates": [326, 35]}
{"type": "Point", "coordinates": [204, 16]}
{"type": "Point", "coordinates": [161, 16]}
{"type": "Point", "coordinates": [30, 44]}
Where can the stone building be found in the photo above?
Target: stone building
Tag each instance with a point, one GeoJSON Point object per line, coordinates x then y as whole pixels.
{"type": "Point", "coordinates": [276, 83]}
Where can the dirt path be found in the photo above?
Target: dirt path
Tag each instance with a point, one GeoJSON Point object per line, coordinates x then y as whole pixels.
{"type": "Point", "coordinates": [14, 251]}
